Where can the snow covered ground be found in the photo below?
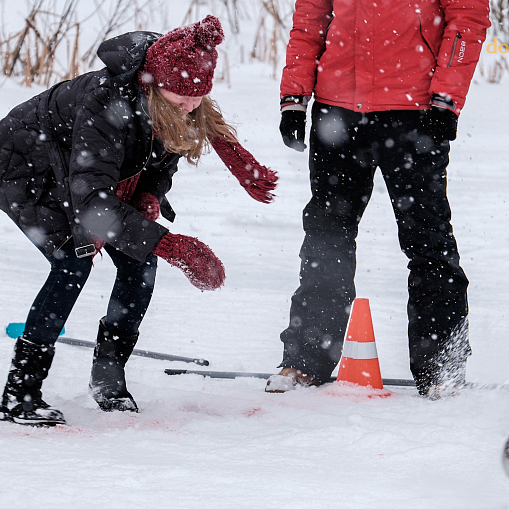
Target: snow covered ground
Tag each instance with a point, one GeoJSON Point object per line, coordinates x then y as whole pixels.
{"type": "Point", "coordinates": [200, 442]}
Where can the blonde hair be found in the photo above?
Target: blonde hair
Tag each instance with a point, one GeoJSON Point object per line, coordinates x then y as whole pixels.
{"type": "Point", "coordinates": [187, 133]}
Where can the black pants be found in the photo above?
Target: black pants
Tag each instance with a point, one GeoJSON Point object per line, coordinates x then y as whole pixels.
{"type": "Point", "coordinates": [346, 147]}
{"type": "Point", "coordinates": [129, 300]}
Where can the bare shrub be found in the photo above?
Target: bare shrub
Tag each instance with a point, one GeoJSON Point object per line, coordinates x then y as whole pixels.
{"type": "Point", "coordinates": [32, 52]}
{"type": "Point", "coordinates": [271, 36]}
{"type": "Point", "coordinates": [47, 48]}
{"type": "Point", "coordinates": [46, 45]}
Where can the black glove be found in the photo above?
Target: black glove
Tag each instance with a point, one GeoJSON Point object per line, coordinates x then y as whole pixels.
{"type": "Point", "coordinates": [293, 129]}
{"type": "Point", "coordinates": [441, 123]}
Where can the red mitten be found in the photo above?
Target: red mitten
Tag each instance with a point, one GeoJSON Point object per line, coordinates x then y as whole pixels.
{"type": "Point", "coordinates": [196, 260]}
{"type": "Point", "coordinates": [256, 179]}
{"type": "Point", "coordinates": [147, 204]}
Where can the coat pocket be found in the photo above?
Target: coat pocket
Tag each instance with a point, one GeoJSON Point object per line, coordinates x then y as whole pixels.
{"type": "Point", "coordinates": [427, 44]}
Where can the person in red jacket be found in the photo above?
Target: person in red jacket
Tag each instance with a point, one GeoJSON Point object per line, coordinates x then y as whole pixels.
{"type": "Point", "coordinates": [389, 80]}
{"type": "Point", "coordinates": [86, 165]}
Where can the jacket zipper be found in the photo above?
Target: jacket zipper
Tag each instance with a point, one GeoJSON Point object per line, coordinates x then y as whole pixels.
{"type": "Point", "coordinates": [454, 44]}
{"type": "Point", "coordinates": [64, 243]}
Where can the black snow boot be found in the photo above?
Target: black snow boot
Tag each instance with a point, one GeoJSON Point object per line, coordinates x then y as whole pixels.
{"type": "Point", "coordinates": [107, 380]}
{"type": "Point", "coordinates": [22, 401]}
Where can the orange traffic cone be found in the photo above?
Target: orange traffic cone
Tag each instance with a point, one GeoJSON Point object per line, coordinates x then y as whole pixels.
{"type": "Point", "coordinates": [359, 360]}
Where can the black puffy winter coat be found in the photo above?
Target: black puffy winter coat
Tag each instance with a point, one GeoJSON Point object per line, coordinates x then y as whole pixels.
{"type": "Point", "coordinates": [63, 152]}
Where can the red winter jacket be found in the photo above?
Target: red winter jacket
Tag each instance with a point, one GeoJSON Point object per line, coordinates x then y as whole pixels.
{"type": "Point", "coordinates": [376, 55]}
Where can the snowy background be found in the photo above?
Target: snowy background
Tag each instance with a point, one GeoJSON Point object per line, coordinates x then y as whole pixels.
{"type": "Point", "coordinates": [225, 443]}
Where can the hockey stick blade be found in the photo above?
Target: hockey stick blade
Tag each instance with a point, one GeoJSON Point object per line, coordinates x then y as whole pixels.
{"type": "Point", "coordinates": [140, 353]}
{"type": "Point", "coordinates": [236, 374]}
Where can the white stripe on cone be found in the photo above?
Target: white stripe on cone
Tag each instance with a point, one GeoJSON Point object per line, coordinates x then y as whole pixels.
{"type": "Point", "coordinates": [356, 350]}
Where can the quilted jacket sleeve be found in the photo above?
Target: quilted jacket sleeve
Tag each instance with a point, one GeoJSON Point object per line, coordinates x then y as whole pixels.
{"type": "Point", "coordinates": [465, 31]}
{"type": "Point", "coordinates": [94, 170]}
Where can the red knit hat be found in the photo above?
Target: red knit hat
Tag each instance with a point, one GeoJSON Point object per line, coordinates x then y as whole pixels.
{"type": "Point", "coordinates": [183, 61]}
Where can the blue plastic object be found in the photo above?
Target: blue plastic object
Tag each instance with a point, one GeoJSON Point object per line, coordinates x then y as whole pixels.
{"type": "Point", "coordinates": [15, 330]}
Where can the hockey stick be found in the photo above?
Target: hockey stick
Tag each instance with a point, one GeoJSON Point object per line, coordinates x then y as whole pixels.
{"type": "Point", "coordinates": [140, 353]}
{"type": "Point", "coordinates": [395, 382]}
{"type": "Point", "coordinates": [14, 330]}
{"type": "Point", "coordinates": [236, 374]}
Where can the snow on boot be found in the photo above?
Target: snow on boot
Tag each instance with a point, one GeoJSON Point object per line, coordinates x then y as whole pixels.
{"type": "Point", "coordinates": [22, 401]}
{"type": "Point", "coordinates": [107, 381]}
{"type": "Point", "coordinates": [289, 379]}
